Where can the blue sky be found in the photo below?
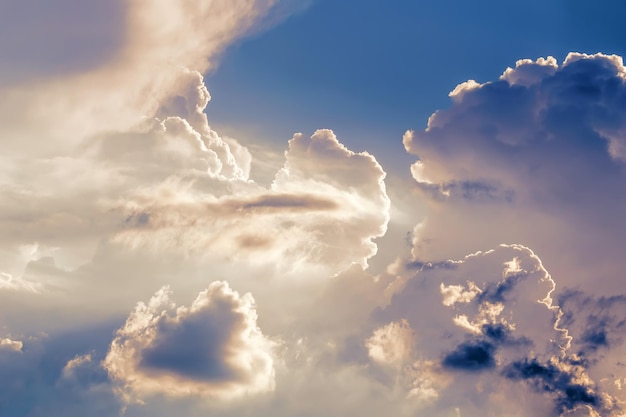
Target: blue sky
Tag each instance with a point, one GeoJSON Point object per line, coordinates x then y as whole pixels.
{"type": "Point", "coordinates": [444, 238]}
{"type": "Point", "coordinates": [372, 71]}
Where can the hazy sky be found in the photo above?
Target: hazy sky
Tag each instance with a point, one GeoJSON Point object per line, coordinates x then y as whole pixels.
{"type": "Point", "coordinates": [290, 208]}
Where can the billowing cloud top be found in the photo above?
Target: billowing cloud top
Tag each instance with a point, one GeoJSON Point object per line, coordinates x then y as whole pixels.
{"type": "Point", "coordinates": [539, 149]}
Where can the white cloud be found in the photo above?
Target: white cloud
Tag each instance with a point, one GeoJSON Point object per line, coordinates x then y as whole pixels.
{"type": "Point", "coordinates": [161, 40]}
{"type": "Point", "coordinates": [9, 344]}
{"type": "Point", "coordinates": [391, 344]}
{"type": "Point", "coordinates": [324, 207]}
{"type": "Point", "coordinates": [213, 349]}
{"type": "Point", "coordinates": [489, 324]}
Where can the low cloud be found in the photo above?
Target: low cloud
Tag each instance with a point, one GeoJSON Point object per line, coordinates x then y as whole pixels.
{"type": "Point", "coordinates": [213, 348]}
{"type": "Point", "coordinates": [332, 223]}
{"type": "Point", "coordinates": [11, 345]}
{"type": "Point", "coordinates": [492, 321]}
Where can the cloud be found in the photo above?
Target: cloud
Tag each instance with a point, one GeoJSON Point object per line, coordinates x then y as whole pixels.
{"type": "Point", "coordinates": [596, 322]}
{"type": "Point", "coordinates": [9, 282]}
{"type": "Point", "coordinates": [11, 345]}
{"type": "Point", "coordinates": [524, 158]}
{"type": "Point", "coordinates": [533, 152]}
{"type": "Point", "coordinates": [566, 382]}
{"type": "Point", "coordinates": [129, 73]}
{"type": "Point", "coordinates": [493, 322]}
{"type": "Point", "coordinates": [471, 356]}
{"type": "Point", "coordinates": [113, 178]}
{"type": "Point", "coordinates": [85, 36]}
{"type": "Point", "coordinates": [213, 348]}
{"type": "Point", "coordinates": [391, 344]}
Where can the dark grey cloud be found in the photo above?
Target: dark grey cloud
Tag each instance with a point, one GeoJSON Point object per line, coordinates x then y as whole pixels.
{"type": "Point", "coordinates": [471, 356]}
{"type": "Point", "coordinates": [290, 202]}
{"type": "Point", "coordinates": [536, 150]}
{"type": "Point", "coordinates": [421, 265]}
{"type": "Point", "coordinates": [560, 382]}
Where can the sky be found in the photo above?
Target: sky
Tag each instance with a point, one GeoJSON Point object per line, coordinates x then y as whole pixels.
{"type": "Point", "coordinates": [312, 207]}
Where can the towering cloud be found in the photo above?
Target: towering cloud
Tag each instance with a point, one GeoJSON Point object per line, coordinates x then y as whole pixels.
{"type": "Point", "coordinates": [536, 151]}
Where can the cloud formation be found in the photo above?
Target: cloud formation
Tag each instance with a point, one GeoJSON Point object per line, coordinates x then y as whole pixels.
{"type": "Point", "coordinates": [491, 320]}
{"type": "Point", "coordinates": [537, 150]}
{"type": "Point", "coordinates": [113, 183]}
{"type": "Point", "coordinates": [160, 42]}
{"type": "Point", "coordinates": [213, 348]}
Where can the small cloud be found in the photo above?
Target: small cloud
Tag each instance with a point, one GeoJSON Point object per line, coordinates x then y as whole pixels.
{"type": "Point", "coordinates": [392, 344]}
{"type": "Point", "coordinates": [213, 348]}
{"type": "Point", "coordinates": [11, 345]}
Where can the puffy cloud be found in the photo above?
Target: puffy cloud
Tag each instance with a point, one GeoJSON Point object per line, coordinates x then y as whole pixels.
{"type": "Point", "coordinates": [112, 178]}
{"type": "Point", "coordinates": [170, 188]}
{"type": "Point", "coordinates": [213, 348]}
{"type": "Point", "coordinates": [523, 158]}
{"type": "Point", "coordinates": [333, 222]}
{"type": "Point", "coordinates": [391, 344]}
{"type": "Point", "coordinates": [492, 320]}
{"type": "Point", "coordinates": [9, 344]}
{"type": "Point", "coordinates": [567, 383]}
{"type": "Point", "coordinates": [533, 152]}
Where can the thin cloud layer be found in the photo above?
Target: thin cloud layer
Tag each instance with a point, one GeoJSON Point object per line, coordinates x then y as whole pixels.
{"type": "Point", "coordinates": [333, 222]}
{"type": "Point", "coordinates": [159, 42]}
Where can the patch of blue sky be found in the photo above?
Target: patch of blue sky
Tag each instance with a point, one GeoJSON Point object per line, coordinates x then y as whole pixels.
{"type": "Point", "coordinates": [371, 69]}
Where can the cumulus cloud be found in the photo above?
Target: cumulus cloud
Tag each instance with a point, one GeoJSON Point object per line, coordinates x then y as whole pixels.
{"type": "Point", "coordinates": [213, 348]}
{"type": "Point", "coordinates": [167, 185]}
{"type": "Point", "coordinates": [333, 222]}
{"type": "Point", "coordinates": [524, 158]}
{"type": "Point", "coordinates": [534, 151]}
{"type": "Point", "coordinates": [391, 344]}
{"type": "Point", "coordinates": [492, 321]}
